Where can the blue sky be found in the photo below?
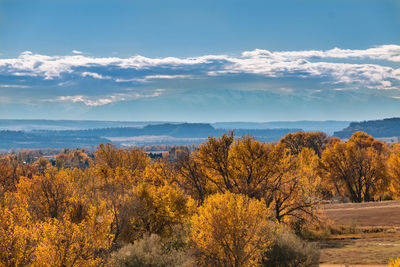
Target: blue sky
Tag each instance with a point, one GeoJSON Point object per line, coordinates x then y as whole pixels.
{"type": "Point", "coordinates": [200, 60]}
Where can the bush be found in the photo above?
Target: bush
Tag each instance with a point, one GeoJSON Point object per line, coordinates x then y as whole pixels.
{"type": "Point", "coordinates": [289, 250]}
{"type": "Point", "coordinates": [394, 262]}
{"type": "Point", "coordinates": [231, 230]}
{"type": "Point", "coordinates": [150, 251]}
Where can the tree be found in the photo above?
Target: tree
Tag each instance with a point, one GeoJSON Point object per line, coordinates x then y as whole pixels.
{"type": "Point", "coordinates": [263, 171]}
{"type": "Point", "coordinates": [295, 142]}
{"type": "Point", "coordinates": [18, 237]}
{"type": "Point", "coordinates": [356, 167]}
{"type": "Point", "coordinates": [297, 186]}
{"type": "Point", "coordinates": [231, 230]}
{"type": "Point", "coordinates": [213, 157]}
{"type": "Point", "coordinates": [393, 165]}
{"type": "Point", "coordinates": [156, 210]}
{"type": "Point", "coordinates": [46, 196]}
{"type": "Point", "coordinates": [191, 177]}
{"type": "Point", "coordinates": [64, 243]}
{"type": "Point", "coordinates": [118, 171]}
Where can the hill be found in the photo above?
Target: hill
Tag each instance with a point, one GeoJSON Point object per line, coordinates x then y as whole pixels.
{"type": "Point", "coordinates": [167, 133]}
{"type": "Point", "coordinates": [328, 127]}
{"type": "Point", "coordinates": [377, 128]}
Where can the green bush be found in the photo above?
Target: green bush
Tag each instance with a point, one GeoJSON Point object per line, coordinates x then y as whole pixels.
{"type": "Point", "coordinates": [291, 251]}
{"type": "Point", "coordinates": [150, 251]}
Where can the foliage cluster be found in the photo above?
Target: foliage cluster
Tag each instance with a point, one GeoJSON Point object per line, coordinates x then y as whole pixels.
{"type": "Point", "coordinates": [227, 202]}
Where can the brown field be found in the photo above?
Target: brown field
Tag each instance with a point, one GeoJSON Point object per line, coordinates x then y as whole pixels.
{"type": "Point", "coordinates": [385, 213]}
{"type": "Point", "coordinates": [370, 234]}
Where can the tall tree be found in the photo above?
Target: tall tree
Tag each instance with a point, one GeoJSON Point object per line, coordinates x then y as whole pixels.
{"type": "Point", "coordinates": [356, 167]}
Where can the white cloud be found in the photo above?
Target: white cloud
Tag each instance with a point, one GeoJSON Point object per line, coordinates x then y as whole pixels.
{"type": "Point", "coordinates": [77, 52]}
{"type": "Point", "coordinates": [104, 100]}
{"type": "Point", "coordinates": [13, 86]}
{"type": "Point", "coordinates": [150, 77]}
{"type": "Point", "coordinates": [383, 52]}
{"type": "Point", "coordinates": [94, 75]}
{"type": "Point", "coordinates": [139, 69]}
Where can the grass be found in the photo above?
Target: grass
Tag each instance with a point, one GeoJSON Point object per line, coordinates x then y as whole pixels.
{"type": "Point", "coordinates": [366, 248]}
{"type": "Point", "coordinates": [361, 234]}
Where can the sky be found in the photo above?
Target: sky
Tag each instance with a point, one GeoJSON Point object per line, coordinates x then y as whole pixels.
{"type": "Point", "coordinates": [200, 61]}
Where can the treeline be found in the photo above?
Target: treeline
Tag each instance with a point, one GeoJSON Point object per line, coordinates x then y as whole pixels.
{"type": "Point", "coordinates": [227, 202]}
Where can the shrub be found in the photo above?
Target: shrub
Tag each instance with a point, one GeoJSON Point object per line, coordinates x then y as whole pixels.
{"type": "Point", "coordinates": [394, 262]}
{"type": "Point", "coordinates": [231, 230]}
{"type": "Point", "coordinates": [289, 250]}
{"type": "Point", "coordinates": [150, 251]}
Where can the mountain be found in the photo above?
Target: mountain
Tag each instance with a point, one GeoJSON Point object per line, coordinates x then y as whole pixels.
{"type": "Point", "coordinates": [328, 127]}
{"type": "Point", "coordinates": [29, 125]}
{"type": "Point", "coordinates": [167, 133]}
{"type": "Point", "coordinates": [377, 128]}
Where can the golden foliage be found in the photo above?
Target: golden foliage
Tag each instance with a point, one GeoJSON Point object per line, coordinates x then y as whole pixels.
{"type": "Point", "coordinates": [157, 210]}
{"type": "Point", "coordinates": [231, 230]}
{"type": "Point", "coordinates": [356, 168]}
{"type": "Point", "coordinates": [74, 211]}
{"type": "Point", "coordinates": [394, 262]}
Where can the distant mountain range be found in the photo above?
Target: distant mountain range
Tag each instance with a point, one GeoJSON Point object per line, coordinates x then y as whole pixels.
{"type": "Point", "coordinates": [28, 125]}
{"type": "Point", "coordinates": [29, 134]}
{"type": "Point", "coordinates": [167, 133]}
{"type": "Point", "coordinates": [377, 128]}
{"type": "Point", "coordinates": [328, 127]}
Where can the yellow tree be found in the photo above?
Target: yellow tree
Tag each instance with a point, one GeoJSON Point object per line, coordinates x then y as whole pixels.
{"type": "Point", "coordinates": [393, 165]}
{"type": "Point", "coordinates": [18, 237]}
{"type": "Point", "coordinates": [231, 230]}
{"type": "Point", "coordinates": [252, 167]}
{"type": "Point", "coordinates": [297, 186]}
{"type": "Point", "coordinates": [191, 177]}
{"type": "Point", "coordinates": [156, 210]}
{"type": "Point", "coordinates": [64, 243]}
{"type": "Point", "coordinates": [46, 196]}
{"type": "Point", "coordinates": [76, 158]}
{"type": "Point", "coordinates": [117, 172]}
{"type": "Point", "coordinates": [263, 171]}
{"type": "Point", "coordinates": [213, 157]}
{"type": "Point", "coordinates": [295, 142]}
{"type": "Point", "coordinates": [356, 167]}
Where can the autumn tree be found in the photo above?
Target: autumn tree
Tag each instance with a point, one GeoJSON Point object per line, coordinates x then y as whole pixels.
{"type": "Point", "coordinates": [393, 166]}
{"type": "Point", "coordinates": [76, 158]}
{"type": "Point", "coordinates": [231, 230]}
{"type": "Point", "coordinates": [156, 210]}
{"type": "Point", "coordinates": [295, 142]}
{"type": "Point", "coordinates": [192, 178]}
{"type": "Point", "coordinates": [213, 156]}
{"type": "Point", "coordinates": [263, 171]}
{"type": "Point", "coordinates": [118, 171]}
{"type": "Point", "coordinates": [18, 237]}
{"type": "Point", "coordinates": [356, 167]}
{"type": "Point", "coordinates": [297, 186]}
{"type": "Point", "coordinates": [65, 243]}
{"type": "Point", "coordinates": [46, 196]}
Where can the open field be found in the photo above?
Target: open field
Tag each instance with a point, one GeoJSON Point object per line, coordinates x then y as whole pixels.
{"type": "Point", "coordinates": [385, 213]}
{"type": "Point", "coordinates": [370, 234]}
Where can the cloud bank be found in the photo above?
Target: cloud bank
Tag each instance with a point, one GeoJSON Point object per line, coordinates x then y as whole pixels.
{"type": "Point", "coordinates": [138, 77]}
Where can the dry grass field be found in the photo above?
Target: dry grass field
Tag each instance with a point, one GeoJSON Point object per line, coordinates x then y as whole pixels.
{"type": "Point", "coordinates": [368, 234]}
